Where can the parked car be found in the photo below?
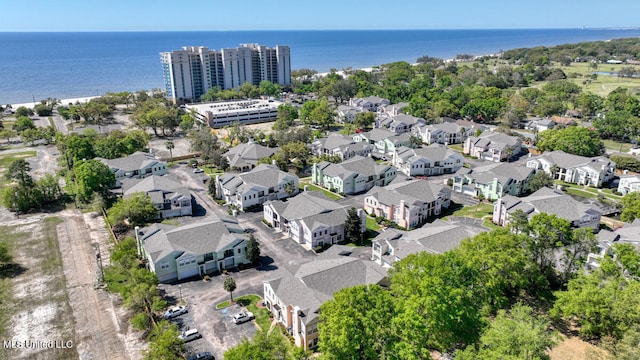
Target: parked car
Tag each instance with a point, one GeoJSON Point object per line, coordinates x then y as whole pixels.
{"type": "Point", "coordinates": [242, 317]}
{"type": "Point", "coordinates": [175, 311]}
{"type": "Point", "coordinates": [190, 335]}
{"type": "Point", "coordinates": [202, 356]}
{"type": "Point", "coordinates": [197, 171]}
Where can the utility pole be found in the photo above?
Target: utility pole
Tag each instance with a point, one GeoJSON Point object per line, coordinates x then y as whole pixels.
{"type": "Point", "coordinates": [99, 262]}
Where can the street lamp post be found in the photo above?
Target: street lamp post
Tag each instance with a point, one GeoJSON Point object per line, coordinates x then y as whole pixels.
{"type": "Point", "coordinates": [15, 203]}
{"type": "Point", "coordinates": [180, 288]}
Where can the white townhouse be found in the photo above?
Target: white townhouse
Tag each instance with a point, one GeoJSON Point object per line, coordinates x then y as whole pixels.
{"type": "Point", "coordinates": [628, 184]}
{"type": "Point", "coordinates": [440, 236]}
{"type": "Point", "coordinates": [592, 171]}
{"type": "Point", "coordinates": [346, 114]}
{"type": "Point", "coordinates": [370, 103]}
{"type": "Point", "coordinates": [391, 110]}
{"type": "Point", "coordinates": [443, 133]}
{"type": "Point", "coordinates": [385, 141]}
{"type": "Point", "coordinates": [295, 292]}
{"type": "Point", "coordinates": [493, 181]}
{"type": "Point", "coordinates": [492, 146]}
{"type": "Point", "coordinates": [244, 157]}
{"type": "Point", "coordinates": [353, 176]}
{"type": "Point", "coordinates": [137, 165]}
{"type": "Point", "coordinates": [264, 182]}
{"type": "Point", "coordinates": [310, 219]}
{"type": "Point", "coordinates": [432, 160]}
{"type": "Point", "coordinates": [408, 203]}
{"type": "Point", "coordinates": [169, 195]}
{"type": "Point", "coordinates": [402, 123]}
{"type": "Point", "coordinates": [341, 146]}
{"type": "Point", "coordinates": [175, 253]}
{"type": "Point", "coordinates": [548, 201]}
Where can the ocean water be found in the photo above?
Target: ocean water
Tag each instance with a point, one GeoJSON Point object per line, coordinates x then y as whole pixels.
{"type": "Point", "coordinates": [34, 66]}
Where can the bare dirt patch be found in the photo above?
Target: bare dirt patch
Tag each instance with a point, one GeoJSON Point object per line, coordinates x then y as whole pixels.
{"type": "Point", "coordinates": [40, 315]}
{"type": "Point", "coordinates": [574, 348]}
{"type": "Point", "coordinates": [100, 334]}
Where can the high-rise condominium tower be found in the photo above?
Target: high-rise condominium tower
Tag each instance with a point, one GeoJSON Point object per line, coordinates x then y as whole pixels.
{"type": "Point", "coordinates": [190, 72]}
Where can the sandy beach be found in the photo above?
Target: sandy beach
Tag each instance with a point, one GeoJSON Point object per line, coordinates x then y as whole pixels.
{"type": "Point", "coordinates": [62, 102]}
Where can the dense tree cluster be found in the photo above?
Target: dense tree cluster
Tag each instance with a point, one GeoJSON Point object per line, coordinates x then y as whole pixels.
{"type": "Point", "coordinates": [575, 140]}
{"type": "Point", "coordinates": [449, 301]}
{"type": "Point", "coordinates": [25, 193]}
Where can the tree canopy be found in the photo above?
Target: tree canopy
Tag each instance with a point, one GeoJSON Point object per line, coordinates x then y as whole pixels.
{"type": "Point", "coordinates": [574, 140]}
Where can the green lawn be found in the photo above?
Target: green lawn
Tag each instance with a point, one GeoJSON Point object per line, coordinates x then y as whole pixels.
{"type": "Point", "coordinates": [477, 212]}
{"type": "Point", "coordinates": [372, 224]}
{"type": "Point", "coordinates": [7, 159]}
{"type": "Point", "coordinates": [616, 146]}
{"type": "Point", "coordinates": [603, 84]}
{"type": "Point", "coordinates": [312, 187]}
{"type": "Point", "coordinates": [588, 192]}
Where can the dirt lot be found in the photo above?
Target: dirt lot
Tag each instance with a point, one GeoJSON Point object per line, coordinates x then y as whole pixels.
{"type": "Point", "coordinates": [39, 310]}
{"type": "Point", "coordinates": [575, 349]}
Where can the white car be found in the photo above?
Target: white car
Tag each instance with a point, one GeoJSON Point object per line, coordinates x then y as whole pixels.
{"type": "Point", "coordinates": [190, 335]}
{"type": "Point", "coordinates": [175, 311]}
{"type": "Point", "coordinates": [242, 317]}
{"type": "Point", "coordinates": [197, 171]}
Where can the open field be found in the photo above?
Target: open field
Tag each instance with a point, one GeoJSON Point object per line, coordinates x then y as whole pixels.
{"type": "Point", "coordinates": [7, 159]}
{"type": "Point", "coordinates": [39, 308]}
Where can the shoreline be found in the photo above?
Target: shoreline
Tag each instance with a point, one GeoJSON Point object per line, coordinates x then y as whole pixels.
{"type": "Point", "coordinates": [65, 102]}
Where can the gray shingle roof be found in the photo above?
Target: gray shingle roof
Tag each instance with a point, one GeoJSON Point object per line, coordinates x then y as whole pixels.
{"type": "Point", "coordinates": [412, 192]}
{"type": "Point", "coordinates": [264, 175]}
{"type": "Point", "coordinates": [155, 183]}
{"type": "Point", "coordinates": [565, 160]}
{"type": "Point", "coordinates": [549, 201]}
{"type": "Point", "coordinates": [365, 166]}
{"type": "Point", "coordinates": [310, 284]}
{"type": "Point", "coordinates": [135, 161]}
{"type": "Point", "coordinates": [502, 171]}
{"type": "Point", "coordinates": [304, 204]}
{"type": "Point", "coordinates": [198, 238]}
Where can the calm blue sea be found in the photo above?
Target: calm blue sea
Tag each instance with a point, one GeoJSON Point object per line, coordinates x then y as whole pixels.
{"type": "Point", "coordinates": [68, 65]}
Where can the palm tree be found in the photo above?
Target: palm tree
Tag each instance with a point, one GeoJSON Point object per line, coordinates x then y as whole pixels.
{"type": "Point", "coordinates": [230, 286]}
{"type": "Point", "coordinates": [555, 169]}
{"type": "Point", "coordinates": [509, 152]}
{"type": "Point", "coordinates": [170, 146]}
{"type": "Point", "coordinates": [289, 188]}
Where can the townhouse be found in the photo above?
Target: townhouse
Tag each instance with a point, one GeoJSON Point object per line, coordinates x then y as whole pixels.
{"type": "Point", "coordinates": [628, 184]}
{"type": "Point", "coordinates": [344, 147]}
{"type": "Point", "coordinates": [265, 182]}
{"type": "Point", "coordinates": [137, 165]}
{"type": "Point", "coordinates": [408, 203]}
{"type": "Point", "coordinates": [179, 252]}
{"type": "Point", "coordinates": [443, 133]}
{"type": "Point", "coordinates": [492, 146]}
{"type": "Point", "coordinates": [355, 175]}
{"type": "Point", "coordinates": [432, 160]}
{"type": "Point", "coordinates": [244, 157]}
{"type": "Point", "coordinates": [393, 245]}
{"type": "Point", "coordinates": [170, 196]}
{"type": "Point", "coordinates": [346, 113]}
{"type": "Point", "coordinates": [591, 171]}
{"type": "Point", "coordinates": [296, 292]}
{"type": "Point", "coordinates": [493, 181]}
{"type": "Point", "coordinates": [401, 123]}
{"type": "Point", "coordinates": [310, 219]}
{"type": "Point", "coordinates": [385, 141]}
{"type": "Point", "coordinates": [370, 103]}
{"type": "Point", "coordinates": [549, 201]}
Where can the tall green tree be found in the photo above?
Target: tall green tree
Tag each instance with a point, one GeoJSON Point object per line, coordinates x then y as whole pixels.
{"type": "Point", "coordinates": [137, 209]}
{"type": "Point", "coordinates": [19, 171]}
{"type": "Point", "coordinates": [229, 285]}
{"type": "Point", "coordinates": [630, 206]}
{"type": "Point", "coordinates": [539, 180]}
{"type": "Point", "coordinates": [546, 233]}
{"type": "Point", "coordinates": [574, 140]}
{"type": "Point", "coordinates": [513, 335]}
{"type": "Point", "coordinates": [352, 228]}
{"type": "Point", "coordinates": [440, 307]}
{"type": "Point", "coordinates": [253, 249]}
{"type": "Point", "coordinates": [92, 176]}
{"type": "Point", "coordinates": [352, 323]}
{"type": "Point", "coordinates": [164, 342]}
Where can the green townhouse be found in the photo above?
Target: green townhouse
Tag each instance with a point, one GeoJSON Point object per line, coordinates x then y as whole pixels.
{"type": "Point", "coordinates": [353, 176]}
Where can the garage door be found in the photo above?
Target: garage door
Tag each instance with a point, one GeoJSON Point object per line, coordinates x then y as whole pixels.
{"type": "Point", "coordinates": [228, 263]}
{"type": "Point", "coordinates": [188, 271]}
{"type": "Point", "coordinates": [467, 190]}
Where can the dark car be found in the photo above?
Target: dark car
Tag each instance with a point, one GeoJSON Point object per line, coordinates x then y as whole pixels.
{"type": "Point", "coordinates": [202, 356]}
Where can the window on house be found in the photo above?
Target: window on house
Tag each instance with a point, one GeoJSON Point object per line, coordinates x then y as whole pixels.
{"type": "Point", "coordinates": [239, 251]}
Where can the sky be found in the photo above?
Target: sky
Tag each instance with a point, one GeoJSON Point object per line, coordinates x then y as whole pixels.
{"type": "Point", "coordinates": [233, 15]}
